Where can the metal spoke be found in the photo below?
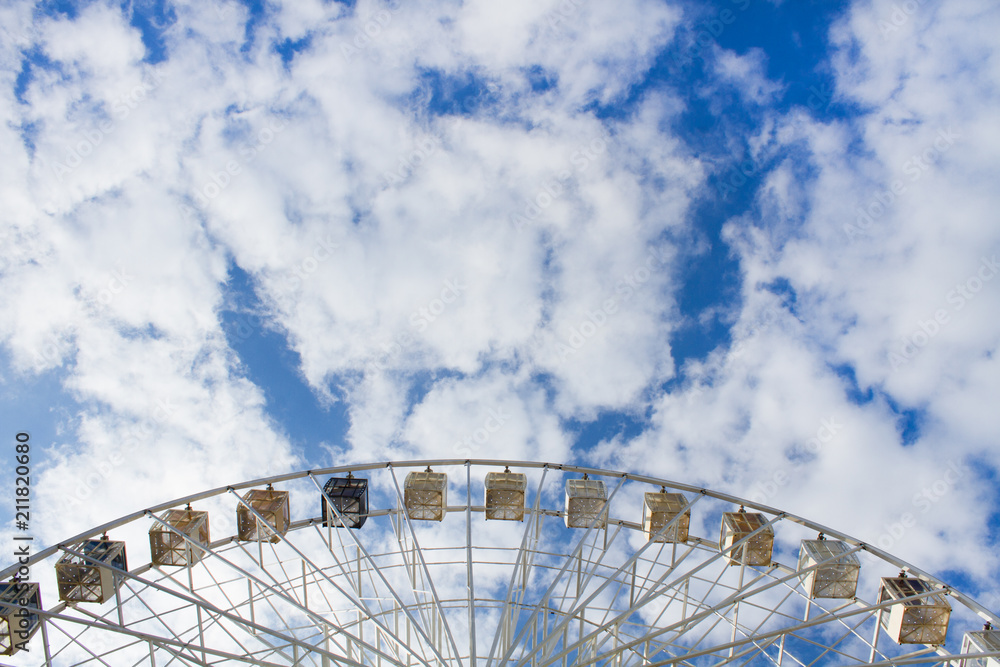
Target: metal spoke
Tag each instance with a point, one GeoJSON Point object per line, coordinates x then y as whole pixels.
{"type": "Point", "coordinates": [423, 566]}
{"type": "Point", "coordinates": [522, 565]}
{"type": "Point", "coordinates": [393, 590]}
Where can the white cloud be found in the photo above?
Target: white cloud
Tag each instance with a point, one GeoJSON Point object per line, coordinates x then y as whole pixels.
{"type": "Point", "coordinates": [901, 291]}
{"type": "Point", "coordinates": [494, 416]}
{"type": "Point", "coordinates": [71, 42]}
{"type": "Point", "coordinates": [748, 72]}
{"type": "Point", "coordinates": [525, 256]}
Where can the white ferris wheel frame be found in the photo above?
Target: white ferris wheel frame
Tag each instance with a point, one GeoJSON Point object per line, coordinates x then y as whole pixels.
{"type": "Point", "coordinates": [572, 596]}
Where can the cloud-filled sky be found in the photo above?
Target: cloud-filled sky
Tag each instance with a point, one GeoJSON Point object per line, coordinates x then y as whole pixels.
{"type": "Point", "coordinates": [744, 244]}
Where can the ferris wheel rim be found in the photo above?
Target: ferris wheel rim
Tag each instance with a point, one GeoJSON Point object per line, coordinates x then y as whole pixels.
{"type": "Point", "coordinates": [573, 468]}
{"type": "Point", "coordinates": [777, 514]}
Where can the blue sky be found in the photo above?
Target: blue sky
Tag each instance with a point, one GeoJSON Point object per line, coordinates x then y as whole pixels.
{"type": "Point", "coordinates": [794, 41]}
{"type": "Point", "coordinates": [722, 242]}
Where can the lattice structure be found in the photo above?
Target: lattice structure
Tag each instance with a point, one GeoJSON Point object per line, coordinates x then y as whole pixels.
{"type": "Point", "coordinates": [168, 547]}
{"type": "Point", "coordinates": [585, 502]}
{"type": "Point", "coordinates": [274, 511]}
{"type": "Point", "coordinates": [738, 525]}
{"type": "Point", "coordinates": [425, 495]}
{"type": "Point", "coordinates": [346, 497]}
{"type": "Point", "coordinates": [92, 573]}
{"type": "Point", "coordinates": [505, 495]}
{"type": "Point", "coordinates": [837, 577]}
{"type": "Point", "coordinates": [920, 619]}
{"type": "Point", "coordinates": [983, 641]}
{"type": "Point", "coordinates": [658, 510]}
{"type": "Point", "coordinates": [466, 592]}
{"type": "Point", "coordinates": [17, 624]}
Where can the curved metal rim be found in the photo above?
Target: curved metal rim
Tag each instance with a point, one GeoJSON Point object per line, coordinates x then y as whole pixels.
{"type": "Point", "coordinates": [966, 600]}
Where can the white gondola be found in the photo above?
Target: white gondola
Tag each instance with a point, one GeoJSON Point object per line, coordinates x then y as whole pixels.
{"type": "Point", "coordinates": [168, 547]}
{"type": "Point", "coordinates": [425, 495]}
{"type": "Point", "coordinates": [585, 501]}
{"type": "Point", "coordinates": [837, 577]}
{"type": "Point", "coordinates": [917, 620]}
{"type": "Point", "coordinates": [505, 495]}
{"type": "Point", "coordinates": [755, 551]}
{"type": "Point", "coordinates": [273, 508]}
{"type": "Point", "coordinates": [659, 509]}
{"type": "Point", "coordinates": [986, 640]}
{"type": "Point", "coordinates": [91, 573]}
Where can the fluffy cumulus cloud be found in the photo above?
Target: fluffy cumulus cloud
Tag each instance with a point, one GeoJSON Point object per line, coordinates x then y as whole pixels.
{"type": "Point", "coordinates": [386, 233]}
{"type": "Point", "coordinates": [478, 227]}
{"type": "Point", "coordinates": [855, 387]}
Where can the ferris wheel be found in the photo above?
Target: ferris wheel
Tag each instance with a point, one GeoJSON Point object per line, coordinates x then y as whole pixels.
{"type": "Point", "coordinates": [480, 563]}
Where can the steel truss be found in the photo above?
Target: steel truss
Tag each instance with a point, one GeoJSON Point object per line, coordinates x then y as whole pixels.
{"type": "Point", "coordinates": [472, 593]}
